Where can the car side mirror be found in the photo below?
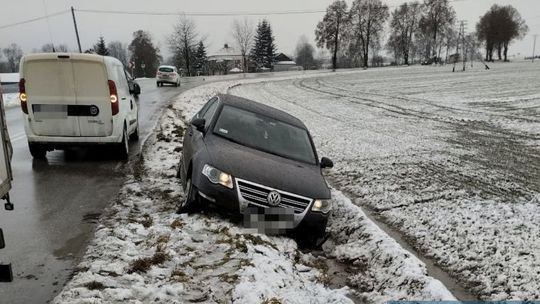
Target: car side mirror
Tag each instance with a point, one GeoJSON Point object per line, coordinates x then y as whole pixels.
{"type": "Point", "coordinates": [199, 124]}
{"type": "Point", "coordinates": [326, 163]}
{"type": "Point", "coordinates": [136, 88]}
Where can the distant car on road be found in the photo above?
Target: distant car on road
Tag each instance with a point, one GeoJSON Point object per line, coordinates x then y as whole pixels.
{"type": "Point", "coordinates": [76, 99]}
{"type": "Point", "coordinates": [167, 74]}
{"type": "Point", "coordinates": [252, 158]}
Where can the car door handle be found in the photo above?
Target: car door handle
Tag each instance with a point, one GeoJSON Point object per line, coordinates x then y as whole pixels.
{"type": "Point", "coordinates": [123, 98]}
{"type": "Point", "coordinates": [131, 103]}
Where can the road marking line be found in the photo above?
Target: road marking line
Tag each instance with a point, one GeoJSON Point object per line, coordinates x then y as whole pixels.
{"type": "Point", "coordinates": [18, 138]}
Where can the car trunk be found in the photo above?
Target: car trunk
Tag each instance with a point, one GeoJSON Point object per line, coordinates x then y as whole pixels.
{"type": "Point", "coordinates": [68, 97]}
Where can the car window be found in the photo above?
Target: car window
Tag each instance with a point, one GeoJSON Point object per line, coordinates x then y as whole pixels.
{"type": "Point", "coordinates": [265, 134]}
{"type": "Point", "coordinates": [201, 113]}
{"type": "Point", "coordinates": [166, 70]}
{"type": "Point", "coordinates": [211, 110]}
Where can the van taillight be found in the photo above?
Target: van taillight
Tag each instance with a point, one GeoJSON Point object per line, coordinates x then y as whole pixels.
{"type": "Point", "coordinates": [115, 107]}
{"type": "Point", "coordinates": [22, 95]}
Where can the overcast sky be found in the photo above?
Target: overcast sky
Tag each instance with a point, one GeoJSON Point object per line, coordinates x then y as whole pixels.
{"type": "Point", "coordinates": [217, 30]}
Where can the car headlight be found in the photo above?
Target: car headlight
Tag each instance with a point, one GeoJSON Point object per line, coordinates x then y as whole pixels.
{"type": "Point", "coordinates": [216, 176]}
{"type": "Point", "coordinates": [323, 206]}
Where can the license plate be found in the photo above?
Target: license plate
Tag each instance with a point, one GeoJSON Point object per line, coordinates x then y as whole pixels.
{"type": "Point", "coordinates": [269, 220]}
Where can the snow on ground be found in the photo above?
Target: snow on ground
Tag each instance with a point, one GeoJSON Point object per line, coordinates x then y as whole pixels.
{"type": "Point", "coordinates": [9, 77]}
{"type": "Point", "coordinates": [144, 252]}
{"type": "Point", "coordinates": [10, 100]}
{"type": "Point", "coordinates": [451, 160]}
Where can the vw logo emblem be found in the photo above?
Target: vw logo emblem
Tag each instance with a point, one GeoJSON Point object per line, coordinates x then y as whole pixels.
{"type": "Point", "coordinates": [273, 198]}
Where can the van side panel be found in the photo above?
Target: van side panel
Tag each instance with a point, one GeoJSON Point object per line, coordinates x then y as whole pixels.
{"type": "Point", "coordinates": [93, 99]}
{"type": "Point", "coordinates": [50, 88]}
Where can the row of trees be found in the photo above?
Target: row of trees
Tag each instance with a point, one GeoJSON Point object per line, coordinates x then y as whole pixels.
{"type": "Point", "coordinates": [418, 30]}
{"type": "Point", "coordinates": [256, 46]}
{"type": "Point", "coordinates": [13, 54]}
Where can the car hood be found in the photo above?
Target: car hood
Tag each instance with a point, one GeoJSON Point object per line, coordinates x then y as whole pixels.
{"type": "Point", "coordinates": [267, 169]}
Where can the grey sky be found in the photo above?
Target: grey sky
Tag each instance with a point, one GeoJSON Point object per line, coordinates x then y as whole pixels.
{"type": "Point", "coordinates": [287, 28]}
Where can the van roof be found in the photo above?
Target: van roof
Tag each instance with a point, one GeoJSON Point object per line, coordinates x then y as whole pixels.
{"type": "Point", "coordinates": [75, 56]}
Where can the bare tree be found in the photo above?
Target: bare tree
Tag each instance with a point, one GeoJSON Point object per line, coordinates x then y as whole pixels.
{"type": "Point", "coordinates": [13, 55]}
{"type": "Point", "coordinates": [243, 32]}
{"type": "Point", "coordinates": [368, 18]}
{"type": "Point", "coordinates": [439, 15]}
{"type": "Point", "coordinates": [330, 30]}
{"type": "Point", "coordinates": [183, 43]}
{"type": "Point", "coordinates": [403, 26]}
{"type": "Point", "coordinates": [51, 48]}
{"type": "Point", "coordinates": [305, 53]}
{"type": "Point", "coordinates": [118, 50]}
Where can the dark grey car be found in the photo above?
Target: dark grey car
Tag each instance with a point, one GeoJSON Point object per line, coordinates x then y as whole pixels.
{"type": "Point", "coordinates": [257, 160]}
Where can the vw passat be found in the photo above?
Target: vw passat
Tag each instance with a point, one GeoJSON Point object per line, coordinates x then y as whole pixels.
{"type": "Point", "coordinates": [257, 160]}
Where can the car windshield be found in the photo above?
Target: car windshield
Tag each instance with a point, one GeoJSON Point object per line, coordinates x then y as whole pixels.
{"type": "Point", "coordinates": [166, 70]}
{"type": "Point", "coordinates": [265, 134]}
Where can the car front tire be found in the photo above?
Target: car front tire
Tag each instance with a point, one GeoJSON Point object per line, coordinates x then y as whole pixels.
{"type": "Point", "coordinates": [191, 198]}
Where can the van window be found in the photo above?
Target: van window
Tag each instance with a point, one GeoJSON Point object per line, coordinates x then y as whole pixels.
{"type": "Point", "coordinates": [122, 83]}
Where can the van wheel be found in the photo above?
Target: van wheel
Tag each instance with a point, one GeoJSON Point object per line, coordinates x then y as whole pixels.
{"type": "Point", "coordinates": [37, 151]}
{"type": "Point", "coordinates": [135, 134]}
{"type": "Point", "coordinates": [123, 147]}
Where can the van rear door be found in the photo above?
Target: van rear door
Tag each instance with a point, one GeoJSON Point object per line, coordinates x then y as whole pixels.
{"type": "Point", "coordinates": [68, 95]}
{"type": "Point", "coordinates": [50, 87]}
{"type": "Point", "coordinates": [93, 98]}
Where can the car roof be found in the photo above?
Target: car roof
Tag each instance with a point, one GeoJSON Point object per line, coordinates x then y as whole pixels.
{"type": "Point", "coordinates": [259, 108]}
{"type": "Point", "coordinates": [167, 66]}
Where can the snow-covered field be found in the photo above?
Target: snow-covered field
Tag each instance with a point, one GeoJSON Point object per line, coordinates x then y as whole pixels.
{"type": "Point", "coordinates": [450, 160]}
{"type": "Point", "coordinates": [143, 252]}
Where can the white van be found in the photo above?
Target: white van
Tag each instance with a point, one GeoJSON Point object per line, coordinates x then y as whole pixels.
{"type": "Point", "coordinates": [71, 99]}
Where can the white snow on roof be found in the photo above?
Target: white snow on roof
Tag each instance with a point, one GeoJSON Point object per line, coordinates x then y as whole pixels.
{"type": "Point", "coordinates": [286, 62]}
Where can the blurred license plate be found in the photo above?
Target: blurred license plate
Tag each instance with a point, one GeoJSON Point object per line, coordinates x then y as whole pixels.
{"type": "Point", "coordinates": [269, 220]}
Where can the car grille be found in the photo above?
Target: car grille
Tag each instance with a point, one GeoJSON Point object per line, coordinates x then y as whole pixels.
{"type": "Point", "coordinates": [257, 195]}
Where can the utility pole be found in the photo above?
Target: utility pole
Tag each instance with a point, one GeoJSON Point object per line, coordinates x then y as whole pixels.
{"type": "Point", "coordinates": [456, 55]}
{"type": "Point", "coordinates": [534, 47]}
{"type": "Point", "coordinates": [76, 29]}
{"type": "Point", "coordinates": [464, 46]}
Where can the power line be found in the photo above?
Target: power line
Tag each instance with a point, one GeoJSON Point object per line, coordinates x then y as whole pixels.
{"type": "Point", "coordinates": [33, 19]}
{"type": "Point", "coordinates": [192, 14]}
{"type": "Point", "coordinates": [219, 14]}
{"type": "Point", "coordinates": [201, 14]}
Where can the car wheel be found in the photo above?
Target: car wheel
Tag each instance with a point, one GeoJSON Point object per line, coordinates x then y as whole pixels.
{"type": "Point", "coordinates": [191, 198]}
{"type": "Point", "coordinates": [37, 151]}
{"type": "Point", "coordinates": [313, 239]}
{"type": "Point", "coordinates": [179, 171]}
{"type": "Point", "coordinates": [157, 84]}
{"type": "Point", "coordinates": [123, 147]}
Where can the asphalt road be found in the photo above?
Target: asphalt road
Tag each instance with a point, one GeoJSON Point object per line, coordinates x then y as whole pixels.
{"type": "Point", "coordinates": [58, 202]}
